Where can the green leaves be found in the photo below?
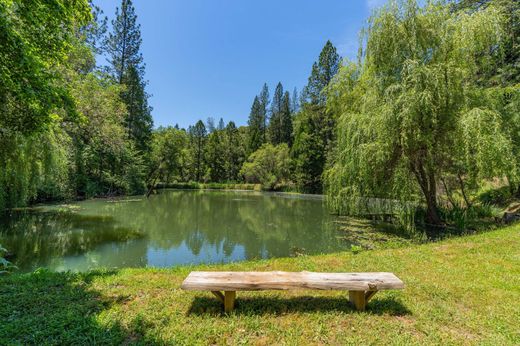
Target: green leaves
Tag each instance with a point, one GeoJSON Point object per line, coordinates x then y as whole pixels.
{"type": "Point", "coordinates": [413, 111]}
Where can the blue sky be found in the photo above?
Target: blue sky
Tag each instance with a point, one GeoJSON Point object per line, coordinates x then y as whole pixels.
{"type": "Point", "coordinates": [209, 58]}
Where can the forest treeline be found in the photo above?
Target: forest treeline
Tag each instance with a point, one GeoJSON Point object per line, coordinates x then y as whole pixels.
{"type": "Point", "coordinates": [428, 114]}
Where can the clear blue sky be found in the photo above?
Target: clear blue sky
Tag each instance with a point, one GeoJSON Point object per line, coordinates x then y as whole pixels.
{"type": "Point", "coordinates": [209, 58]}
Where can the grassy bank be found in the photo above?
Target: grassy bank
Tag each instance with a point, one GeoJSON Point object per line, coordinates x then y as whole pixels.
{"type": "Point", "coordinates": [225, 186]}
{"type": "Point", "coordinates": [459, 291]}
{"type": "Point", "coordinates": [209, 186]}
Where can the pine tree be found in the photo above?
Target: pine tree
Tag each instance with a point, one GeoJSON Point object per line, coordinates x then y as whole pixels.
{"type": "Point", "coordinates": [286, 119]}
{"type": "Point", "coordinates": [139, 120]}
{"type": "Point", "coordinates": [216, 156]}
{"type": "Point", "coordinates": [314, 127]}
{"type": "Point", "coordinates": [221, 125]}
{"type": "Point", "coordinates": [198, 136]}
{"type": "Point", "coordinates": [264, 106]}
{"type": "Point", "coordinates": [234, 152]}
{"type": "Point", "coordinates": [210, 124]}
{"type": "Point", "coordinates": [275, 123]}
{"type": "Point", "coordinates": [126, 66]}
{"type": "Point", "coordinates": [123, 44]}
{"type": "Point", "coordinates": [322, 73]}
{"type": "Point", "coordinates": [295, 102]}
{"type": "Point", "coordinates": [256, 126]}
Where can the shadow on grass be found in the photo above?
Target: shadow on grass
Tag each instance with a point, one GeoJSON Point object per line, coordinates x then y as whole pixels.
{"type": "Point", "coordinates": [279, 306]}
{"type": "Point", "coordinates": [59, 308]}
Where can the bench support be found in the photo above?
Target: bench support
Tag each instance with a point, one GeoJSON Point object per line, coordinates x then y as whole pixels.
{"type": "Point", "coordinates": [360, 298]}
{"type": "Point", "coordinates": [228, 299]}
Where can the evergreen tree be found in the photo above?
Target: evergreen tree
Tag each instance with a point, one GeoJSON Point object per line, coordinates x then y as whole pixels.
{"type": "Point", "coordinates": [264, 106]}
{"type": "Point", "coordinates": [286, 120]}
{"type": "Point", "coordinates": [210, 124]}
{"type": "Point", "coordinates": [275, 123]}
{"type": "Point", "coordinates": [216, 156]}
{"type": "Point", "coordinates": [235, 153]}
{"type": "Point", "coordinates": [295, 105]}
{"type": "Point", "coordinates": [123, 44]}
{"type": "Point", "coordinates": [256, 126]}
{"type": "Point", "coordinates": [139, 120]}
{"type": "Point", "coordinates": [198, 135]}
{"type": "Point", "coordinates": [314, 127]}
{"type": "Point", "coordinates": [322, 73]}
{"type": "Point", "coordinates": [221, 124]}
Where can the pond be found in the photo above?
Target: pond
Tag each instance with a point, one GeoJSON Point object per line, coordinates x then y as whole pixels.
{"type": "Point", "coordinates": [171, 228]}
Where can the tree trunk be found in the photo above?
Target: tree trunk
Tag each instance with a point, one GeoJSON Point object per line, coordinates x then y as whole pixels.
{"type": "Point", "coordinates": [429, 188]}
{"type": "Point", "coordinates": [461, 182]}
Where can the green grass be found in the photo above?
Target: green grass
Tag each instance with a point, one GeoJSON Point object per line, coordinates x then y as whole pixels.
{"type": "Point", "coordinates": [459, 291]}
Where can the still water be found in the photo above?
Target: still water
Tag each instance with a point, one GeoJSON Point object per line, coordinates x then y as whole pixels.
{"type": "Point", "coordinates": [172, 228]}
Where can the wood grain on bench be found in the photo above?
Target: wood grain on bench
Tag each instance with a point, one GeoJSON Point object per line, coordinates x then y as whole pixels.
{"type": "Point", "coordinates": [362, 286]}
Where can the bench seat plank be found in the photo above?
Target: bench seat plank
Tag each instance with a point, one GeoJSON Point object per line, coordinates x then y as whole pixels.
{"type": "Point", "coordinates": [278, 280]}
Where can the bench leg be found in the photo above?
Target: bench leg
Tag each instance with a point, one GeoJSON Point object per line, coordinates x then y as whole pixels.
{"type": "Point", "coordinates": [229, 301]}
{"type": "Point", "coordinates": [360, 298]}
{"type": "Point", "coordinates": [219, 295]}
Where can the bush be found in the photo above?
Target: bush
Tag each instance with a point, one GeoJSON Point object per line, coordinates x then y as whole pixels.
{"type": "Point", "coordinates": [268, 166]}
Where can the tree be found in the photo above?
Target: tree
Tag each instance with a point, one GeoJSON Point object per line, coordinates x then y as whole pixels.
{"type": "Point", "coordinates": [256, 126]}
{"type": "Point", "coordinates": [123, 44]}
{"type": "Point", "coordinates": [268, 166]}
{"type": "Point", "coordinates": [139, 122]}
{"type": "Point", "coordinates": [36, 41]}
{"type": "Point", "coordinates": [322, 73]}
{"type": "Point", "coordinates": [216, 156]}
{"type": "Point", "coordinates": [287, 120]}
{"type": "Point", "coordinates": [168, 153]}
{"type": "Point", "coordinates": [210, 124]}
{"type": "Point", "coordinates": [295, 105]}
{"type": "Point", "coordinates": [314, 126]}
{"type": "Point", "coordinates": [264, 106]}
{"type": "Point", "coordinates": [221, 124]}
{"type": "Point", "coordinates": [415, 113]}
{"type": "Point", "coordinates": [234, 152]}
{"type": "Point", "coordinates": [126, 65]}
{"type": "Point", "coordinates": [198, 135]}
{"type": "Point", "coordinates": [275, 123]}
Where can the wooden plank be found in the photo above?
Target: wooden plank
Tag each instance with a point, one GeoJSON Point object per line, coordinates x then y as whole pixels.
{"type": "Point", "coordinates": [357, 298]}
{"type": "Point", "coordinates": [229, 301]}
{"type": "Point", "coordinates": [277, 280]}
{"type": "Point", "coordinates": [219, 295]}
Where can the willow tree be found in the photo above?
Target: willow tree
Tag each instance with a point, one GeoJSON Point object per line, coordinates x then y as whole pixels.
{"type": "Point", "coordinates": [411, 111]}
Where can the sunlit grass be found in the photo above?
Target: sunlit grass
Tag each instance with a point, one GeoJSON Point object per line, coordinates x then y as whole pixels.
{"type": "Point", "coordinates": [459, 291]}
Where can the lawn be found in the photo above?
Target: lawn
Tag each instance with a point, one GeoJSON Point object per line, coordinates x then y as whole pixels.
{"type": "Point", "coordinates": [459, 291]}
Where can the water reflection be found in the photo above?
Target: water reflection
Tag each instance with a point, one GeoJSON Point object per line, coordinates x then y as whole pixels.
{"type": "Point", "coordinates": [174, 227]}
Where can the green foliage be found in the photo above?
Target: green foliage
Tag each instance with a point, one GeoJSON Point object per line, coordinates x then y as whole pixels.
{"type": "Point", "coordinates": [413, 111]}
{"type": "Point", "coordinates": [280, 124]}
{"type": "Point", "coordinates": [323, 71]}
{"type": "Point", "coordinates": [313, 134]}
{"type": "Point", "coordinates": [268, 166]}
{"type": "Point", "coordinates": [234, 152]}
{"type": "Point", "coordinates": [256, 127]}
{"type": "Point", "coordinates": [314, 126]}
{"type": "Point", "coordinates": [197, 136]}
{"type": "Point", "coordinates": [169, 153]}
{"type": "Point", "coordinates": [216, 156]}
{"type": "Point", "coordinates": [36, 38]}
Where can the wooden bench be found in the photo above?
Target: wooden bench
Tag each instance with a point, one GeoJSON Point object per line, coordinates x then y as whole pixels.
{"type": "Point", "coordinates": [361, 286]}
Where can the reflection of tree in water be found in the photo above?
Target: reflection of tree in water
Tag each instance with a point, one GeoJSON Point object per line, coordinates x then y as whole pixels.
{"type": "Point", "coordinates": [34, 238]}
{"type": "Point", "coordinates": [264, 224]}
{"type": "Point", "coordinates": [217, 225]}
